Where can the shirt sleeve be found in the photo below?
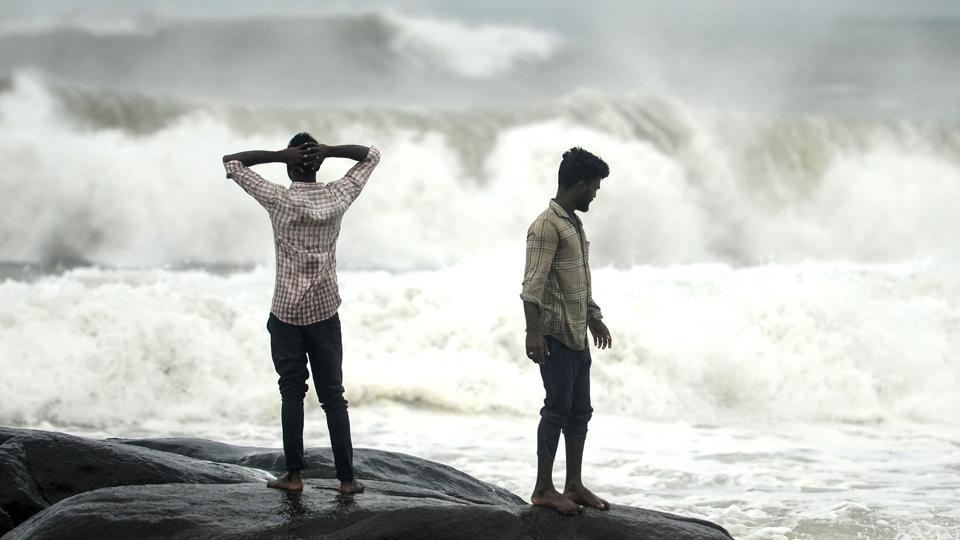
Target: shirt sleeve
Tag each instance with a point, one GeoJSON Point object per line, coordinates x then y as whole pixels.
{"type": "Point", "coordinates": [264, 191]}
{"type": "Point", "coordinates": [542, 241]}
{"type": "Point", "coordinates": [593, 310]}
{"type": "Point", "coordinates": [348, 188]}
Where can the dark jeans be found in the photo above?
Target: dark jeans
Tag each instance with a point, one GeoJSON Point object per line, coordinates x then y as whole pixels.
{"type": "Point", "coordinates": [291, 346]}
{"type": "Point", "coordinates": [566, 378]}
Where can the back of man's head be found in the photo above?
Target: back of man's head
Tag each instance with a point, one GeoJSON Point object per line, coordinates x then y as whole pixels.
{"type": "Point", "coordinates": [301, 138]}
{"type": "Point", "coordinates": [579, 165]}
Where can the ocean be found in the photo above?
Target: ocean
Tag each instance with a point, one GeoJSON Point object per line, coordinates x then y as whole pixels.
{"type": "Point", "coordinates": [774, 250]}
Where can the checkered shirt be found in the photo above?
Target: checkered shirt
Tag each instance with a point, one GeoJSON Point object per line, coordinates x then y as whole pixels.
{"type": "Point", "coordinates": [306, 223]}
{"type": "Point", "coordinates": [557, 276]}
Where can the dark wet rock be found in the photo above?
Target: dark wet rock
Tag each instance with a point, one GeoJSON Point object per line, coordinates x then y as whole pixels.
{"type": "Point", "coordinates": [40, 468]}
{"type": "Point", "coordinates": [386, 510]}
{"type": "Point", "coordinates": [5, 522]}
{"type": "Point", "coordinates": [191, 488]}
{"type": "Point", "coordinates": [370, 464]}
{"type": "Point", "coordinates": [20, 497]}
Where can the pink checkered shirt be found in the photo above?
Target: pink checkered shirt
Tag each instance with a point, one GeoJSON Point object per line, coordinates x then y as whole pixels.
{"type": "Point", "coordinates": [306, 223]}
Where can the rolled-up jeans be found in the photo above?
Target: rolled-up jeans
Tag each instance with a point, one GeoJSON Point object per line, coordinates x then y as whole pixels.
{"type": "Point", "coordinates": [320, 343]}
{"type": "Point", "coordinates": [566, 408]}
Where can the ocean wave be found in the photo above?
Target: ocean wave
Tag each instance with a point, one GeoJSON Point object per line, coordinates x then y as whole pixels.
{"type": "Point", "coordinates": [435, 54]}
{"type": "Point", "coordinates": [93, 25]}
{"type": "Point", "coordinates": [702, 343]}
{"type": "Point", "coordinates": [311, 58]}
{"type": "Point", "coordinates": [476, 52]}
{"type": "Point", "coordinates": [121, 179]}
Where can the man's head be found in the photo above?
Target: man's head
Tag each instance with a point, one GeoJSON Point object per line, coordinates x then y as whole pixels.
{"type": "Point", "coordinates": [303, 175]}
{"type": "Point", "coordinates": [579, 177]}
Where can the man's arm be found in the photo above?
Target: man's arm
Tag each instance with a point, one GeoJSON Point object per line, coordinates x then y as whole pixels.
{"type": "Point", "coordinates": [355, 152]}
{"type": "Point", "coordinates": [238, 169]}
{"type": "Point", "coordinates": [348, 188]}
{"type": "Point", "coordinates": [299, 157]}
{"type": "Point", "coordinates": [542, 242]}
{"type": "Point", "coordinates": [254, 157]}
{"type": "Point", "coordinates": [265, 192]}
{"type": "Point", "coordinates": [536, 344]}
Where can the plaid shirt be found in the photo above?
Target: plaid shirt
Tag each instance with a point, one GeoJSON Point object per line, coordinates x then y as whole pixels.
{"type": "Point", "coordinates": [557, 276]}
{"type": "Point", "coordinates": [306, 223]}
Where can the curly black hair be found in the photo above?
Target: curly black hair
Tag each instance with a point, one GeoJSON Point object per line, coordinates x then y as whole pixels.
{"type": "Point", "coordinates": [301, 138]}
{"type": "Point", "coordinates": [579, 165]}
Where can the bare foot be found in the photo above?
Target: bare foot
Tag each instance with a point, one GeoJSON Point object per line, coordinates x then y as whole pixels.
{"type": "Point", "coordinates": [289, 481]}
{"type": "Point", "coordinates": [551, 498]}
{"type": "Point", "coordinates": [584, 496]}
{"type": "Point", "coordinates": [349, 488]}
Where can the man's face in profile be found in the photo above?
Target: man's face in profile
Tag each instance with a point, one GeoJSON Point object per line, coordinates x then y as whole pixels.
{"type": "Point", "coordinates": [588, 194]}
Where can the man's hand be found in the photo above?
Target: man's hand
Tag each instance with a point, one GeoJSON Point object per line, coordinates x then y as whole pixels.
{"type": "Point", "coordinates": [303, 158]}
{"type": "Point", "coordinates": [537, 350]}
{"type": "Point", "coordinates": [601, 336]}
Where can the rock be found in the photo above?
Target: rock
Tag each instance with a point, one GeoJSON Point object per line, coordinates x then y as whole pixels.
{"type": "Point", "coordinates": [162, 488]}
{"type": "Point", "coordinates": [20, 496]}
{"type": "Point", "coordinates": [386, 510]}
{"type": "Point", "coordinates": [39, 468]}
{"type": "Point", "coordinates": [370, 464]}
{"type": "Point", "coordinates": [6, 523]}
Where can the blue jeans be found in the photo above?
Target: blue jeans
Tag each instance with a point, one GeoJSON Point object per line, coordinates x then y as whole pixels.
{"type": "Point", "coordinates": [566, 408]}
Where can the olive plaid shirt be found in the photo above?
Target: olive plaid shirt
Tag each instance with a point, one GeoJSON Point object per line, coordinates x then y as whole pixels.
{"type": "Point", "coordinates": [557, 276]}
{"type": "Point", "coordinates": [306, 223]}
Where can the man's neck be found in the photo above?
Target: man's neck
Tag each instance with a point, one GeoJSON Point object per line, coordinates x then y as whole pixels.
{"type": "Point", "coordinates": [566, 203]}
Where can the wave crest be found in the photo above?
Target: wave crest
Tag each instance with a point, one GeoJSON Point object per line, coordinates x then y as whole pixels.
{"type": "Point", "coordinates": [470, 51]}
{"type": "Point", "coordinates": [137, 181]}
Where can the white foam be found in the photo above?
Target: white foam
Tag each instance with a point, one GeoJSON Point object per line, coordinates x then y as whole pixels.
{"type": "Point", "coordinates": [697, 343]}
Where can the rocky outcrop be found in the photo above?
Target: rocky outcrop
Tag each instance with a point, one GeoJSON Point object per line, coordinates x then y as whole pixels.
{"type": "Point", "coordinates": [5, 522]}
{"type": "Point", "coordinates": [20, 496]}
{"type": "Point", "coordinates": [387, 510]}
{"type": "Point", "coordinates": [372, 465]}
{"type": "Point", "coordinates": [80, 488]}
{"type": "Point", "coordinates": [39, 468]}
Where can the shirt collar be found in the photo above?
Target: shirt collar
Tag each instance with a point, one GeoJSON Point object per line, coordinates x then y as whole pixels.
{"type": "Point", "coordinates": [558, 210]}
{"type": "Point", "coordinates": [304, 185]}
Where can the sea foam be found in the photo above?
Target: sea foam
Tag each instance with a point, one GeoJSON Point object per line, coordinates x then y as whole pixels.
{"type": "Point", "coordinates": [700, 343]}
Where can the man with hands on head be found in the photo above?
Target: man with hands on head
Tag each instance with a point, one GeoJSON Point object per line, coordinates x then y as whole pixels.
{"type": "Point", "coordinates": [303, 323]}
{"type": "Point", "coordinates": [559, 308]}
